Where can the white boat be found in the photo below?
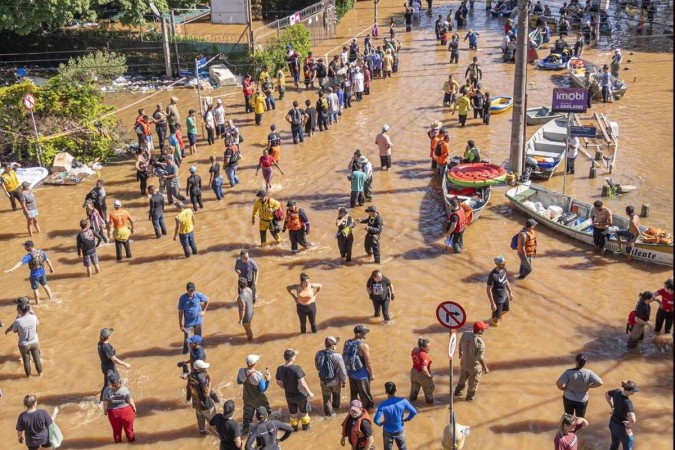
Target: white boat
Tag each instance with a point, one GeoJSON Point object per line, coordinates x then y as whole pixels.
{"type": "Point", "coordinates": [474, 199]}
{"type": "Point", "coordinates": [577, 69]}
{"type": "Point", "coordinates": [547, 148]}
{"type": "Point", "coordinates": [547, 206]}
{"type": "Point", "coordinates": [34, 175]}
{"type": "Point", "coordinates": [542, 115]}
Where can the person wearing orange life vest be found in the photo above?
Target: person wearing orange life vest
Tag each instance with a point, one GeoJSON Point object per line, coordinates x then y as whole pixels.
{"type": "Point", "coordinates": [435, 140]}
{"type": "Point", "coordinates": [357, 428]}
{"type": "Point", "coordinates": [527, 248]}
{"type": "Point", "coordinates": [297, 224]}
{"type": "Point", "coordinates": [442, 150]}
{"type": "Point", "coordinates": [456, 225]}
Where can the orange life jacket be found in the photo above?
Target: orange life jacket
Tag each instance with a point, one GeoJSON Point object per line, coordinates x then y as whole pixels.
{"type": "Point", "coordinates": [356, 438]}
{"type": "Point", "coordinates": [434, 141]}
{"type": "Point", "coordinates": [293, 221]}
{"type": "Point", "coordinates": [530, 245]}
{"type": "Point", "coordinates": [461, 223]}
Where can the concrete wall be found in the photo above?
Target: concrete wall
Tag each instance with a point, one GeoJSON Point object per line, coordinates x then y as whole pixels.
{"type": "Point", "coordinates": [228, 11]}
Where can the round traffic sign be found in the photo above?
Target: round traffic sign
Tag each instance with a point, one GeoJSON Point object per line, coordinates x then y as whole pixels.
{"type": "Point", "coordinates": [451, 315]}
{"type": "Point", "coordinates": [28, 101]}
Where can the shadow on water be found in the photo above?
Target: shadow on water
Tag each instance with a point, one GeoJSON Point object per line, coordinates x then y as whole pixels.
{"type": "Point", "coordinates": [526, 426]}
{"type": "Point", "coordinates": [174, 350]}
{"type": "Point", "coordinates": [141, 438]}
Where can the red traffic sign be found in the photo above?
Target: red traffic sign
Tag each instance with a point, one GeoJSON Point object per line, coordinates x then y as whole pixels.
{"type": "Point", "coordinates": [28, 101]}
{"type": "Point", "coordinates": [451, 315]}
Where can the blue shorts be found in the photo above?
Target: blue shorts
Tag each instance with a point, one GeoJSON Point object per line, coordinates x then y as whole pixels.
{"type": "Point", "coordinates": [36, 281]}
{"type": "Point", "coordinates": [192, 138]}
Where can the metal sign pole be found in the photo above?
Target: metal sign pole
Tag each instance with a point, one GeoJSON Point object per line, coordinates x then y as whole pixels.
{"type": "Point", "coordinates": [199, 96]}
{"type": "Point", "coordinates": [567, 145]}
{"type": "Point", "coordinates": [451, 352]}
{"type": "Point", "coordinates": [37, 139]}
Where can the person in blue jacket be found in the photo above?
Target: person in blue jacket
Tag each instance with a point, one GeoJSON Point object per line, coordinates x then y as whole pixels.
{"type": "Point", "coordinates": [390, 415]}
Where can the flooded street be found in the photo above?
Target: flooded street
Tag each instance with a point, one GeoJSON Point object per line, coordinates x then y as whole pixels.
{"type": "Point", "coordinates": [574, 301]}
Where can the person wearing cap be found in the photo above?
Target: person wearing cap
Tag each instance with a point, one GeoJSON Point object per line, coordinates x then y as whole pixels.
{"type": "Point", "coordinates": [450, 89]}
{"type": "Point", "coordinates": [172, 180]}
{"type": "Point", "coordinates": [86, 242]}
{"type": "Point", "coordinates": [297, 224]}
{"type": "Point", "coordinates": [499, 290]}
{"type": "Point", "coordinates": [194, 188]}
{"type": "Point", "coordinates": [219, 118]}
{"type": "Point", "coordinates": [265, 208]}
{"type": "Point", "coordinates": [390, 416]}
{"type": "Point", "coordinates": [664, 297]}
{"type": "Point", "coordinates": [615, 63]}
{"type": "Point", "coordinates": [320, 72]}
{"type": "Point", "coordinates": [575, 384]}
{"type": "Point", "coordinates": [332, 375]}
{"type": "Point", "coordinates": [36, 260]}
{"type": "Point", "coordinates": [435, 134]}
{"type": "Point", "coordinates": [120, 408]}
{"type": "Point", "coordinates": [231, 159]}
{"type": "Point", "coordinates": [374, 226]}
{"type": "Point", "coordinates": [420, 373]}
{"type": "Point", "coordinates": [108, 356]}
{"type": "Point", "coordinates": [32, 425]}
{"type": "Point", "coordinates": [255, 384]}
{"type": "Point", "coordinates": [384, 146]}
{"type": "Point", "coordinates": [264, 433]}
{"type": "Point", "coordinates": [246, 267]}
{"type": "Point", "coordinates": [245, 306]}
{"type": "Point", "coordinates": [623, 415]}
{"type": "Point", "coordinates": [232, 134]}
{"type": "Point", "coordinates": [29, 207]}
{"type": "Point", "coordinates": [527, 248]}
{"type": "Point", "coordinates": [602, 218]}
{"type": "Point", "coordinates": [172, 114]}
{"type": "Point", "coordinates": [291, 378]}
{"type": "Point", "coordinates": [196, 352]}
{"type": "Point", "coordinates": [359, 84]}
{"type": "Point", "coordinates": [472, 360]}
{"type": "Point", "coordinates": [471, 152]}
{"type": "Point", "coordinates": [10, 183]}
{"type": "Point", "coordinates": [457, 223]}
{"type": "Point", "coordinates": [192, 306]}
{"type": "Point", "coordinates": [25, 326]}
{"type": "Point", "coordinates": [185, 229]}
{"type": "Point", "coordinates": [228, 429]}
{"type": "Point", "coordinates": [160, 120]}
{"type": "Point", "coordinates": [357, 428]}
{"type": "Point", "coordinates": [200, 394]}
{"type": "Point", "coordinates": [356, 355]}
{"type": "Point", "coordinates": [367, 168]}
{"type": "Point", "coordinates": [97, 196]}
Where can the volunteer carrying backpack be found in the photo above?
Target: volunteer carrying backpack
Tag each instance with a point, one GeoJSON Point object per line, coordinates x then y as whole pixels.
{"type": "Point", "coordinates": [326, 366]}
{"type": "Point", "coordinates": [296, 117]}
{"type": "Point", "coordinates": [351, 356]}
{"type": "Point", "coordinates": [438, 151]}
{"type": "Point", "coordinates": [514, 241]}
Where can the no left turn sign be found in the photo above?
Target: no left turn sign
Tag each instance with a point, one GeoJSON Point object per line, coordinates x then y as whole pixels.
{"type": "Point", "coordinates": [28, 101]}
{"type": "Point", "coordinates": [451, 315]}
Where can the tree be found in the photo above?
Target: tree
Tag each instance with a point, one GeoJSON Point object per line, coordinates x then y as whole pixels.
{"type": "Point", "coordinates": [24, 17]}
{"type": "Point", "coordinates": [97, 67]}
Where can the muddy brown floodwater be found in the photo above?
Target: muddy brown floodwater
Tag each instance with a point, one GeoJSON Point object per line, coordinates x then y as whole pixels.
{"type": "Point", "coordinates": [574, 301]}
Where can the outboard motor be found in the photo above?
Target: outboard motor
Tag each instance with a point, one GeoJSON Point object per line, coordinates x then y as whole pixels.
{"type": "Point", "coordinates": [530, 165]}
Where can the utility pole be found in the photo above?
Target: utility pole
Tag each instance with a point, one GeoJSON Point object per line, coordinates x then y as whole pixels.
{"type": "Point", "coordinates": [249, 23]}
{"type": "Point", "coordinates": [175, 41]}
{"type": "Point", "coordinates": [375, 2]}
{"type": "Point", "coordinates": [519, 92]}
{"type": "Point", "coordinates": [165, 40]}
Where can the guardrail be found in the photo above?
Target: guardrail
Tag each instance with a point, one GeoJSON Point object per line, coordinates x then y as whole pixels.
{"type": "Point", "coordinates": [304, 14]}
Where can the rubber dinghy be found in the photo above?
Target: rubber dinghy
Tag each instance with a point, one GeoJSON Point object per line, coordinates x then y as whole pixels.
{"type": "Point", "coordinates": [501, 104]}
{"type": "Point", "coordinates": [476, 175]}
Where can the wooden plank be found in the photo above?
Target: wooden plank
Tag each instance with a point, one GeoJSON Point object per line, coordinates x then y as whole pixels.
{"type": "Point", "coordinates": [601, 125]}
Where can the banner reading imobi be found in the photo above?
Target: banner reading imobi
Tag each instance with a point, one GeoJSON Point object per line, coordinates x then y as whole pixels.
{"type": "Point", "coordinates": [572, 100]}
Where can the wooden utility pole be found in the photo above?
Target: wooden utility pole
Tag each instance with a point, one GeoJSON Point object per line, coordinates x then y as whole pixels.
{"type": "Point", "coordinates": [519, 92]}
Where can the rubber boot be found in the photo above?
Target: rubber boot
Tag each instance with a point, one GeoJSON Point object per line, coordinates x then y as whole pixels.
{"type": "Point", "coordinates": [305, 422]}
{"type": "Point", "coordinates": [294, 423]}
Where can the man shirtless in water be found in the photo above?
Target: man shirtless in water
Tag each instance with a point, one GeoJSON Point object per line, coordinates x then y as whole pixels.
{"type": "Point", "coordinates": [631, 234]}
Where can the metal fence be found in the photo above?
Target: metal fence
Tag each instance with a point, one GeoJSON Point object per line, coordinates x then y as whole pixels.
{"type": "Point", "coordinates": [324, 10]}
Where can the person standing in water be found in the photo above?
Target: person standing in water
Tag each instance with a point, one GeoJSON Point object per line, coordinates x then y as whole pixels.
{"type": "Point", "coordinates": [381, 293]}
{"type": "Point", "coordinates": [345, 235]}
{"type": "Point", "coordinates": [267, 163]}
{"type": "Point", "coordinates": [265, 207]}
{"type": "Point", "coordinates": [472, 360]}
{"type": "Point", "coordinates": [185, 229]}
{"type": "Point", "coordinates": [120, 408]}
{"type": "Point", "coordinates": [87, 241]}
{"type": "Point", "coordinates": [36, 260]}
{"type": "Point", "coordinates": [108, 356]}
{"type": "Point", "coordinates": [642, 311]}
{"type": "Point", "coordinates": [499, 291]}
{"type": "Point", "coordinates": [29, 207]}
{"type": "Point", "coordinates": [297, 224]}
{"type": "Point", "coordinates": [246, 267]}
{"type": "Point", "coordinates": [566, 438]}
{"type": "Point", "coordinates": [25, 326]}
{"type": "Point", "coordinates": [664, 297]}
{"type": "Point", "coordinates": [356, 355]}
{"type": "Point", "coordinates": [10, 183]}
{"type": "Point", "coordinates": [245, 306]}
{"type": "Point", "coordinates": [255, 384]}
{"type": "Point", "coordinates": [623, 415]}
{"type": "Point", "coordinates": [305, 295]}
{"type": "Point", "coordinates": [32, 426]}
{"type": "Point", "coordinates": [191, 309]}
{"type": "Point", "coordinates": [264, 434]}
{"type": "Point", "coordinates": [575, 384]}
{"type": "Point", "coordinates": [291, 378]}
{"type": "Point", "coordinates": [121, 228]}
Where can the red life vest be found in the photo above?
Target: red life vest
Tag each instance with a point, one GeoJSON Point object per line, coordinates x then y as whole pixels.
{"type": "Point", "coordinates": [461, 222]}
{"type": "Point", "coordinates": [293, 220]}
{"type": "Point", "coordinates": [356, 438]}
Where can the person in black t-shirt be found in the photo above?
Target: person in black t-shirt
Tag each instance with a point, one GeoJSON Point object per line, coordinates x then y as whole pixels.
{"type": "Point", "coordinates": [87, 241]}
{"type": "Point", "coordinates": [643, 310]}
{"type": "Point", "coordinates": [228, 429]}
{"type": "Point", "coordinates": [499, 291]}
{"type": "Point", "coordinates": [156, 213]}
{"type": "Point", "coordinates": [291, 378]}
{"type": "Point", "coordinates": [264, 434]}
{"type": "Point", "coordinates": [32, 426]}
{"type": "Point", "coordinates": [381, 293]}
{"type": "Point", "coordinates": [215, 179]}
{"type": "Point", "coordinates": [107, 355]}
{"type": "Point", "coordinates": [623, 415]}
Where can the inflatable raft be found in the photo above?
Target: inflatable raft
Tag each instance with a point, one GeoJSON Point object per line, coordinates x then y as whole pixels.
{"type": "Point", "coordinates": [476, 175]}
{"type": "Point", "coordinates": [500, 104]}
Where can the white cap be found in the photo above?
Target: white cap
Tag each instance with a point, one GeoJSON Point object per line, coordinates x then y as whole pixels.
{"type": "Point", "coordinates": [200, 364]}
{"type": "Point", "coordinates": [219, 102]}
{"type": "Point", "coordinates": [385, 127]}
{"type": "Point", "coordinates": [117, 203]}
{"type": "Point", "coordinates": [252, 359]}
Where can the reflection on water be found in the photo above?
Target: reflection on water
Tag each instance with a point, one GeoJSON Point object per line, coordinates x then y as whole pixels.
{"type": "Point", "coordinates": [575, 300]}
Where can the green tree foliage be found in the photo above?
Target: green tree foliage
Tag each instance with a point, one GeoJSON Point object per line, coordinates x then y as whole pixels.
{"type": "Point", "coordinates": [275, 9]}
{"type": "Point", "coordinates": [272, 56]}
{"type": "Point", "coordinates": [343, 6]}
{"type": "Point", "coordinates": [97, 67]}
{"type": "Point", "coordinates": [60, 107]}
{"type": "Point", "coordinates": [28, 16]}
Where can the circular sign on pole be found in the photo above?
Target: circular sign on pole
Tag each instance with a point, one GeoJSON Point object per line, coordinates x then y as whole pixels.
{"type": "Point", "coordinates": [453, 344]}
{"type": "Point", "coordinates": [28, 101]}
{"type": "Point", "coordinates": [451, 315]}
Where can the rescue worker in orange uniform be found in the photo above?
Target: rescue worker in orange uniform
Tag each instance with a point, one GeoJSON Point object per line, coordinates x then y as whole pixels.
{"type": "Point", "coordinates": [442, 150]}
{"type": "Point", "coordinates": [435, 141]}
{"type": "Point", "coordinates": [456, 225]}
{"type": "Point", "coordinates": [297, 224]}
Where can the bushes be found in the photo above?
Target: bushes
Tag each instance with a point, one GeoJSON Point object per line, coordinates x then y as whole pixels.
{"type": "Point", "coordinates": [343, 6]}
{"type": "Point", "coordinates": [297, 36]}
{"type": "Point", "coordinates": [59, 107]}
{"type": "Point", "coordinates": [97, 67]}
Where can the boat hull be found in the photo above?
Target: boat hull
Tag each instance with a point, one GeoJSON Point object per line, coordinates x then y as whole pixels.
{"type": "Point", "coordinates": [578, 78]}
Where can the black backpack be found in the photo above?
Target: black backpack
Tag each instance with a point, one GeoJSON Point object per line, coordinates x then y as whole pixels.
{"type": "Point", "coordinates": [438, 150]}
{"type": "Point", "coordinates": [296, 117]}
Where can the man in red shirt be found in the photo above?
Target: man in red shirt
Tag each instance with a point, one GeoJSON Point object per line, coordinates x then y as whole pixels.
{"type": "Point", "coordinates": [420, 374]}
{"type": "Point", "coordinates": [665, 313]}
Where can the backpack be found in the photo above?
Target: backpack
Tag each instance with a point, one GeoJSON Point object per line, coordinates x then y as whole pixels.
{"type": "Point", "coordinates": [37, 259]}
{"type": "Point", "coordinates": [514, 241]}
{"type": "Point", "coordinates": [296, 117]}
{"type": "Point", "coordinates": [323, 103]}
{"type": "Point", "coordinates": [234, 159]}
{"type": "Point", "coordinates": [438, 150]}
{"type": "Point", "coordinates": [326, 365]}
{"type": "Point", "coordinates": [351, 356]}
{"type": "Point", "coordinates": [279, 214]}
{"type": "Point", "coordinates": [630, 323]}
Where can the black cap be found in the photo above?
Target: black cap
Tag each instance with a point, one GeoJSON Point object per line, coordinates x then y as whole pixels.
{"type": "Point", "coordinates": [260, 194]}
{"type": "Point", "coordinates": [360, 329]}
{"type": "Point", "coordinates": [228, 409]}
{"type": "Point", "coordinates": [371, 208]}
{"type": "Point", "coordinates": [190, 286]}
{"type": "Point", "coordinates": [261, 413]}
{"type": "Point", "coordinates": [29, 244]}
{"type": "Point", "coordinates": [290, 203]}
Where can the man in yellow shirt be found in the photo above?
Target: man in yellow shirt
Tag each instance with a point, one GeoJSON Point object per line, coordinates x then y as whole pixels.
{"type": "Point", "coordinates": [185, 229]}
{"type": "Point", "coordinates": [10, 183]}
{"type": "Point", "coordinates": [281, 83]}
{"type": "Point", "coordinates": [463, 107]}
{"type": "Point", "coordinates": [264, 207]}
{"type": "Point", "coordinates": [450, 87]}
{"type": "Point", "coordinates": [264, 75]}
{"type": "Point", "coordinates": [258, 105]}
